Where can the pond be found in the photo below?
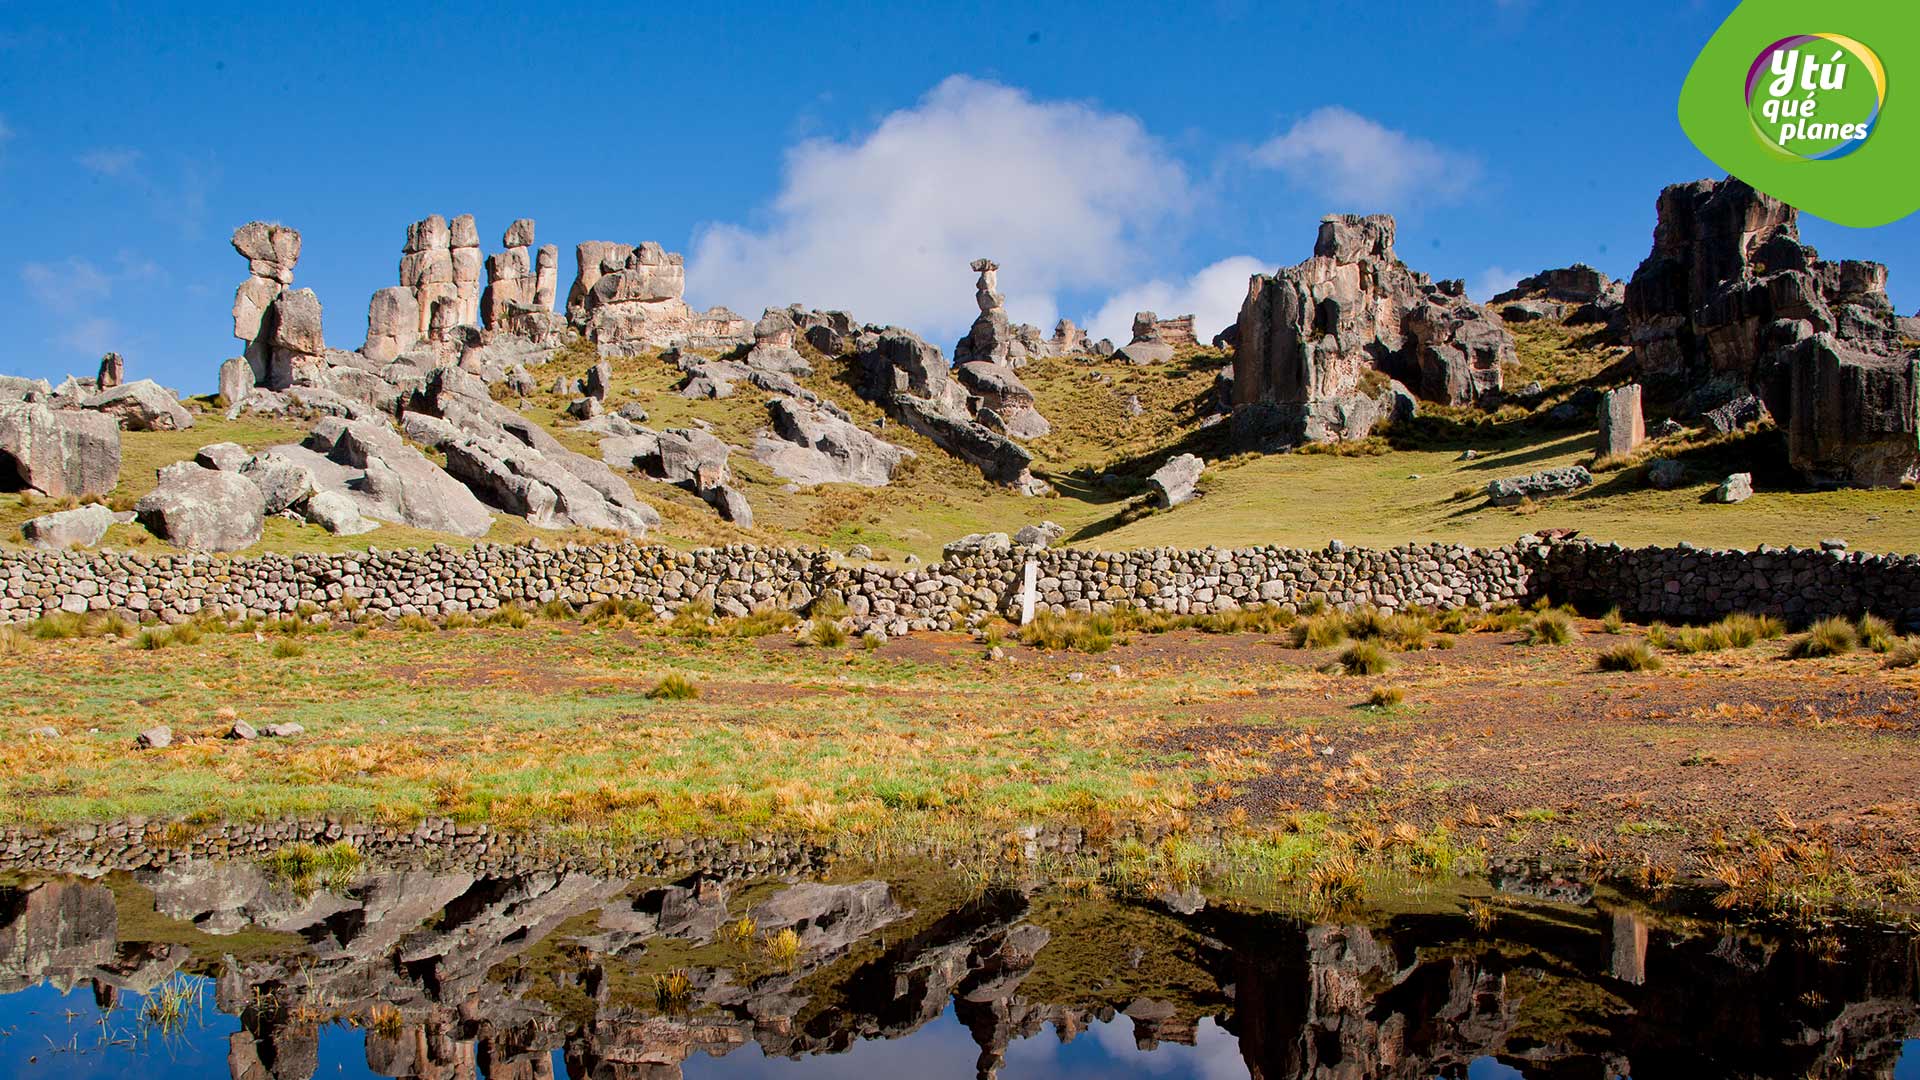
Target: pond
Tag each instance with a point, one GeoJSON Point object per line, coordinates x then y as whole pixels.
{"type": "Point", "coordinates": [226, 967]}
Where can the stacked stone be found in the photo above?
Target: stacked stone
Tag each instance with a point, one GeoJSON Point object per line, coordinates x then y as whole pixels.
{"type": "Point", "coordinates": [1670, 583]}
{"type": "Point", "coordinates": [510, 275]}
{"type": "Point", "coordinates": [440, 264]}
{"type": "Point", "coordinates": [271, 252]}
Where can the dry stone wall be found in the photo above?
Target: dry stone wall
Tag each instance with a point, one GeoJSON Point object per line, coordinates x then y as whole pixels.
{"type": "Point", "coordinates": [1671, 583]}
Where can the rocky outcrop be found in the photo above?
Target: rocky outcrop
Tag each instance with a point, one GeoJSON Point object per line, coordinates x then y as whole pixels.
{"type": "Point", "coordinates": [1730, 305]}
{"type": "Point", "coordinates": [687, 458]}
{"type": "Point", "coordinates": [388, 480]}
{"type": "Point", "coordinates": [995, 338]}
{"type": "Point", "coordinates": [1318, 342]}
{"type": "Point", "coordinates": [629, 298]}
{"type": "Point", "coordinates": [440, 264]}
{"type": "Point", "coordinates": [202, 510]}
{"type": "Point", "coordinates": [1576, 295]}
{"type": "Point", "coordinates": [113, 372]}
{"type": "Point", "coordinates": [999, 390]}
{"type": "Point", "coordinates": [909, 377]}
{"type": "Point", "coordinates": [511, 280]}
{"type": "Point", "coordinates": [142, 406]}
{"type": "Point", "coordinates": [1155, 339]}
{"type": "Point", "coordinates": [809, 445]}
{"type": "Point", "coordinates": [514, 477]}
{"type": "Point", "coordinates": [58, 452]}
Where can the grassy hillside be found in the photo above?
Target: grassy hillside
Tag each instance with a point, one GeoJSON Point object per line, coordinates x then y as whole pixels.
{"type": "Point", "coordinates": [1409, 484]}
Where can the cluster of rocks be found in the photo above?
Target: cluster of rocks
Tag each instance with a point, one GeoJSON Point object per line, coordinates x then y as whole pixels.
{"type": "Point", "coordinates": [1327, 349]}
{"type": "Point", "coordinates": [689, 458]}
{"type": "Point", "coordinates": [1512, 490]}
{"type": "Point", "coordinates": [628, 298]}
{"type": "Point", "coordinates": [1576, 295]}
{"type": "Point", "coordinates": [996, 339]}
{"type": "Point", "coordinates": [1732, 309]}
{"type": "Point", "coordinates": [65, 440]}
{"type": "Point", "coordinates": [1155, 339]}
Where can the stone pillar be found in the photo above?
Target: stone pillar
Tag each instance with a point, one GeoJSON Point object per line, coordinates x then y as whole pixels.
{"type": "Point", "coordinates": [510, 279]}
{"type": "Point", "coordinates": [271, 252]}
{"type": "Point", "coordinates": [426, 267]}
{"type": "Point", "coordinates": [1622, 427]}
{"type": "Point", "coordinates": [546, 277]}
{"type": "Point", "coordinates": [113, 371]}
{"type": "Point", "coordinates": [463, 247]}
{"type": "Point", "coordinates": [393, 323]}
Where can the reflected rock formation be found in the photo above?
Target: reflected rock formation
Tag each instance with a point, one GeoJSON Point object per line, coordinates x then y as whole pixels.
{"type": "Point", "coordinates": [461, 973]}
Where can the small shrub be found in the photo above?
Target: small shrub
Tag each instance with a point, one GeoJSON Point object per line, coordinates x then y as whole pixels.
{"type": "Point", "coordinates": [1744, 631]}
{"type": "Point", "coordinates": [1551, 627]}
{"type": "Point", "coordinates": [871, 641]}
{"type": "Point", "coordinates": [830, 606]}
{"type": "Point", "coordinates": [416, 623]}
{"type": "Point", "coordinates": [1699, 639]}
{"type": "Point", "coordinates": [58, 626]}
{"type": "Point", "coordinates": [1368, 623]}
{"type": "Point", "coordinates": [1876, 634]}
{"type": "Point", "coordinates": [1828, 637]}
{"type": "Point", "coordinates": [557, 610]}
{"type": "Point", "coordinates": [1612, 623]}
{"type": "Point", "coordinates": [694, 621]}
{"type": "Point", "coordinates": [784, 948]}
{"type": "Point", "coordinates": [1905, 655]}
{"type": "Point", "coordinates": [12, 641]}
{"type": "Point", "coordinates": [1084, 633]}
{"type": "Point", "coordinates": [1504, 617]}
{"type": "Point", "coordinates": [287, 649]}
{"type": "Point", "coordinates": [1444, 641]}
{"type": "Point", "coordinates": [1628, 656]}
{"type": "Point", "coordinates": [153, 639]}
{"type": "Point", "coordinates": [623, 609]}
{"type": "Point", "coordinates": [1452, 621]}
{"type": "Point", "coordinates": [1386, 697]}
{"type": "Point", "coordinates": [1320, 632]}
{"type": "Point", "coordinates": [826, 634]}
{"type": "Point", "coordinates": [512, 616]}
{"type": "Point", "coordinates": [459, 620]}
{"type": "Point", "coordinates": [673, 991]}
{"type": "Point", "coordinates": [1408, 632]}
{"type": "Point", "coordinates": [759, 624]}
{"type": "Point", "coordinates": [675, 687]}
{"type": "Point", "coordinates": [1365, 658]}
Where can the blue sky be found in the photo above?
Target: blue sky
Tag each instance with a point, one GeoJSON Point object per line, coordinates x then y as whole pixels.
{"type": "Point", "coordinates": [1108, 155]}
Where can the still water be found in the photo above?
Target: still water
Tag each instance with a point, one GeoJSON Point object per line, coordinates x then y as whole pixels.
{"type": "Point", "coordinates": [206, 969]}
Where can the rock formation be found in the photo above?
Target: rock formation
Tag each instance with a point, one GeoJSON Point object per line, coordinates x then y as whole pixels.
{"type": "Point", "coordinates": [1319, 342]}
{"type": "Point", "coordinates": [271, 252]}
{"type": "Point", "coordinates": [440, 263]}
{"type": "Point", "coordinates": [58, 452]}
{"type": "Point", "coordinates": [142, 406]}
{"type": "Point", "coordinates": [113, 372]}
{"type": "Point", "coordinates": [1622, 426]}
{"type": "Point", "coordinates": [1575, 295]}
{"type": "Point", "coordinates": [1729, 304]}
{"type": "Point", "coordinates": [1155, 339]}
{"type": "Point", "coordinates": [995, 338]}
{"type": "Point", "coordinates": [510, 275]}
{"type": "Point", "coordinates": [910, 378]}
{"type": "Point", "coordinates": [83, 526]}
{"type": "Point", "coordinates": [1176, 481]}
{"type": "Point", "coordinates": [629, 298]}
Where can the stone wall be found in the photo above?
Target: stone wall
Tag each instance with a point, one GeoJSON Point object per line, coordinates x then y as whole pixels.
{"type": "Point", "coordinates": [1670, 583]}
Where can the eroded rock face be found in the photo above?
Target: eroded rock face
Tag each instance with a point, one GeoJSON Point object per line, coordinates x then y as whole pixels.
{"type": "Point", "coordinates": [388, 480]}
{"type": "Point", "coordinates": [1510, 490]}
{"type": "Point", "coordinates": [1732, 305]}
{"type": "Point", "coordinates": [902, 372]}
{"type": "Point", "coordinates": [629, 298]}
{"type": "Point", "coordinates": [1155, 339]}
{"type": "Point", "coordinates": [203, 510]}
{"type": "Point", "coordinates": [58, 451]}
{"type": "Point", "coordinates": [808, 445]}
{"type": "Point", "coordinates": [1315, 341]}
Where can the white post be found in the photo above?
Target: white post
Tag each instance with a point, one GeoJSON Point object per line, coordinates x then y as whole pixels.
{"type": "Point", "coordinates": [1027, 591]}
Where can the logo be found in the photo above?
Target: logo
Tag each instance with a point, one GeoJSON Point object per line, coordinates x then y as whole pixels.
{"type": "Point", "coordinates": [1827, 122]}
{"type": "Point", "coordinates": [1815, 97]}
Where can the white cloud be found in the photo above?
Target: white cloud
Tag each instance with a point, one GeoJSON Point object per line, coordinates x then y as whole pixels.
{"type": "Point", "coordinates": [110, 161]}
{"type": "Point", "coordinates": [1061, 194]}
{"type": "Point", "coordinates": [91, 336]}
{"type": "Point", "coordinates": [1491, 282]}
{"type": "Point", "coordinates": [1212, 296]}
{"type": "Point", "coordinates": [66, 286]}
{"type": "Point", "coordinates": [1365, 165]}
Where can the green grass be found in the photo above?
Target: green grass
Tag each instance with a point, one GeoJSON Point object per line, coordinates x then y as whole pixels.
{"type": "Point", "coordinates": [1629, 656]}
{"type": "Point", "coordinates": [1553, 627]}
{"type": "Point", "coordinates": [674, 687]}
{"type": "Point", "coordinates": [1365, 658]}
{"type": "Point", "coordinates": [1826, 638]}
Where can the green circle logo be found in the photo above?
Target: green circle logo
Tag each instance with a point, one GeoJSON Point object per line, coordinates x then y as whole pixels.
{"type": "Point", "coordinates": [1815, 97]}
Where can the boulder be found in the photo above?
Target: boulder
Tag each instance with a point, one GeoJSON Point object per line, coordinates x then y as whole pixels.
{"type": "Point", "coordinates": [221, 457]}
{"type": "Point", "coordinates": [808, 445]}
{"type": "Point", "coordinates": [1622, 427]}
{"type": "Point", "coordinates": [1510, 490]}
{"type": "Point", "coordinates": [336, 512]}
{"type": "Point", "coordinates": [19, 388]}
{"type": "Point", "coordinates": [203, 510]}
{"type": "Point", "coordinates": [977, 544]}
{"type": "Point", "coordinates": [393, 323]}
{"type": "Point", "coordinates": [284, 483]}
{"type": "Point", "coordinates": [113, 372]}
{"type": "Point", "coordinates": [1737, 487]}
{"type": "Point", "coordinates": [1176, 481]}
{"type": "Point", "coordinates": [1736, 414]}
{"type": "Point", "coordinates": [1666, 474]}
{"type": "Point", "coordinates": [83, 526]}
{"type": "Point", "coordinates": [598, 380]}
{"type": "Point", "coordinates": [154, 738]}
{"type": "Point", "coordinates": [236, 382]}
{"type": "Point", "coordinates": [1038, 536]}
{"type": "Point", "coordinates": [1851, 415]}
{"type": "Point", "coordinates": [58, 451]}
{"type": "Point", "coordinates": [142, 406]}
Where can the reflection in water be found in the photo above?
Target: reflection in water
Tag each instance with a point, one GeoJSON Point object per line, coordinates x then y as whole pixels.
{"type": "Point", "coordinates": [909, 971]}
